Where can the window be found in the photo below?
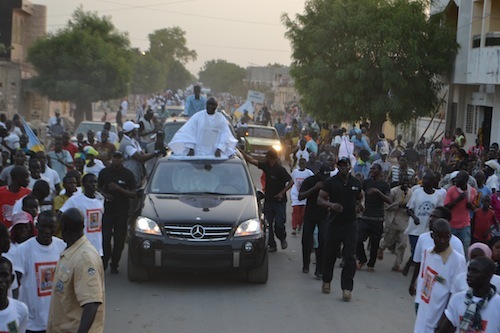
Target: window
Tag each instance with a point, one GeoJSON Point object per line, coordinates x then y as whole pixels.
{"type": "Point", "coordinates": [472, 119]}
{"type": "Point", "coordinates": [198, 177]}
{"type": "Point", "coordinates": [469, 119]}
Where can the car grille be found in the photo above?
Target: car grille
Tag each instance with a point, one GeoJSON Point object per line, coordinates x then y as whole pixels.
{"type": "Point", "coordinates": [260, 149]}
{"type": "Point", "coordinates": [198, 232]}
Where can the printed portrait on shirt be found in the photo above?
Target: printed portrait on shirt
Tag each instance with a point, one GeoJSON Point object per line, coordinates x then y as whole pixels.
{"type": "Point", "coordinates": [94, 217]}
{"type": "Point", "coordinates": [428, 284]}
{"type": "Point", "coordinates": [45, 277]}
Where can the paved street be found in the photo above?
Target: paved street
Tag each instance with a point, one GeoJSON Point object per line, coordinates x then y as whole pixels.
{"type": "Point", "coordinates": [290, 302]}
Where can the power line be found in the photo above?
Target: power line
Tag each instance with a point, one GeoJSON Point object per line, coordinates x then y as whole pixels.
{"type": "Point", "coordinates": [129, 7]}
{"type": "Point", "coordinates": [148, 7]}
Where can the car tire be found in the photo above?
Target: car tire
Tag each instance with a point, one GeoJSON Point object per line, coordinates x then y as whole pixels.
{"type": "Point", "coordinates": [259, 274]}
{"type": "Point", "coordinates": [136, 273]}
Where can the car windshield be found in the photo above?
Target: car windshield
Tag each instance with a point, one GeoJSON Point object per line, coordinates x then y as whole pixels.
{"type": "Point", "coordinates": [170, 129]}
{"type": "Point", "coordinates": [200, 177]}
{"type": "Point", "coordinates": [259, 132]}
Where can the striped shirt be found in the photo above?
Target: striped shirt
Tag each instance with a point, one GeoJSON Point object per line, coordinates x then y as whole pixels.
{"type": "Point", "coordinates": [395, 173]}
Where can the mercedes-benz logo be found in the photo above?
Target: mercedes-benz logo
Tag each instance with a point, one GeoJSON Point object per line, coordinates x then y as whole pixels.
{"type": "Point", "coordinates": [197, 231]}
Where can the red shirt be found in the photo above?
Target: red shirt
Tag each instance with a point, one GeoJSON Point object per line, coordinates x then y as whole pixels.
{"type": "Point", "coordinates": [7, 200]}
{"type": "Point", "coordinates": [71, 148]}
{"type": "Point", "coordinates": [483, 220]}
{"type": "Point", "coordinates": [476, 151]}
{"type": "Point", "coordinates": [460, 214]}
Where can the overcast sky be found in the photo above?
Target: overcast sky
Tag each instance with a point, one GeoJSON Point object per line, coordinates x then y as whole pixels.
{"type": "Point", "coordinates": [248, 33]}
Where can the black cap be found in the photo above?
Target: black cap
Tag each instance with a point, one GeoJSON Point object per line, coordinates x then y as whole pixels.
{"type": "Point", "coordinates": [324, 169]}
{"type": "Point", "coordinates": [117, 154]}
{"type": "Point", "coordinates": [324, 172]}
{"type": "Point", "coordinates": [344, 160]}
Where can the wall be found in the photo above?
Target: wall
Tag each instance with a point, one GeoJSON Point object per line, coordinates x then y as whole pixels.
{"type": "Point", "coordinates": [10, 90]}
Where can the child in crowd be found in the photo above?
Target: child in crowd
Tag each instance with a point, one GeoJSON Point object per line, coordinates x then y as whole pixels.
{"type": "Point", "coordinates": [298, 206]}
{"type": "Point", "coordinates": [483, 221]}
{"type": "Point", "coordinates": [13, 313]}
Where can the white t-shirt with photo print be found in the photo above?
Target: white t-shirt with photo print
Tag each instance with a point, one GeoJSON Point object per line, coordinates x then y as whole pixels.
{"type": "Point", "coordinates": [92, 210]}
{"type": "Point", "coordinates": [37, 264]}
{"type": "Point", "coordinates": [298, 177]}
{"type": "Point", "coordinates": [422, 204]}
{"type": "Point", "coordinates": [14, 317]}
{"type": "Point", "coordinates": [436, 279]}
{"type": "Point", "coordinates": [489, 315]}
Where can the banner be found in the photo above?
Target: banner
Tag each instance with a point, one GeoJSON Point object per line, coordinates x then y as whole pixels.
{"type": "Point", "coordinates": [247, 106]}
{"type": "Point", "coordinates": [256, 97]}
{"type": "Point", "coordinates": [34, 143]}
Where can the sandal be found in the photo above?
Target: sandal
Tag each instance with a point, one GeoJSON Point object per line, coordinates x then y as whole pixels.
{"type": "Point", "coordinates": [360, 265]}
{"type": "Point", "coordinates": [371, 269]}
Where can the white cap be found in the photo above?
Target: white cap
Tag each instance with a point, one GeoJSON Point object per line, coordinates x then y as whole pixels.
{"type": "Point", "coordinates": [493, 164]}
{"type": "Point", "coordinates": [384, 151]}
{"type": "Point", "coordinates": [3, 125]}
{"type": "Point", "coordinates": [129, 126]}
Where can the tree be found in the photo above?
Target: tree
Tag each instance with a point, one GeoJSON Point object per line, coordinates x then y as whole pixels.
{"type": "Point", "coordinates": [162, 66]}
{"type": "Point", "coordinates": [178, 76]}
{"type": "Point", "coordinates": [148, 74]}
{"type": "Point", "coordinates": [369, 59]}
{"type": "Point", "coordinates": [86, 61]}
{"type": "Point", "coordinates": [168, 44]}
{"type": "Point", "coordinates": [223, 76]}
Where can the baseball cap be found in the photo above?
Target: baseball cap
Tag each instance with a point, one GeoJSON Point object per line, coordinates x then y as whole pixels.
{"type": "Point", "coordinates": [492, 164]}
{"type": "Point", "coordinates": [2, 125]}
{"type": "Point", "coordinates": [344, 159]}
{"type": "Point", "coordinates": [129, 126]}
{"type": "Point", "coordinates": [384, 151]}
{"type": "Point", "coordinates": [89, 150]}
{"type": "Point", "coordinates": [21, 218]}
{"type": "Point", "coordinates": [324, 169]}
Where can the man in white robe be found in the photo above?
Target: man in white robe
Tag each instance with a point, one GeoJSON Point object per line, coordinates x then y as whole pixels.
{"type": "Point", "coordinates": [206, 133]}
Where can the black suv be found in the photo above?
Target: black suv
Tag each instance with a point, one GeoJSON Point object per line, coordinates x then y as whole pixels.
{"type": "Point", "coordinates": [199, 214]}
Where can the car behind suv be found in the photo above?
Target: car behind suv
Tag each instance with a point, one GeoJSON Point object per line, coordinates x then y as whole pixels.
{"type": "Point", "coordinates": [259, 140]}
{"type": "Point", "coordinates": [199, 213]}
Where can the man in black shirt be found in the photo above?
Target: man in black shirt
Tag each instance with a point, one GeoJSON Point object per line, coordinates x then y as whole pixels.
{"type": "Point", "coordinates": [377, 192]}
{"type": "Point", "coordinates": [339, 195]}
{"type": "Point", "coordinates": [313, 216]}
{"type": "Point", "coordinates": [278, 182]}
{"type": "Point", "coordinates": [117, 185]}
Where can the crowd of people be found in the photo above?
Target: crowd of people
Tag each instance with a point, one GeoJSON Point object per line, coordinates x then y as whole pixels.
{"type": "Point", "coordinates": [65, 211]}
{"type": "Point", "coordinates": [349, 193]}
{"type": "Point", "coordinates": [64, 214]}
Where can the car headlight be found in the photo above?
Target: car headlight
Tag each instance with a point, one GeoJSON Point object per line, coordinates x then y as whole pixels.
{"type": "Point", "coordinates": [147, 226]}
{"type": "Point", "coordinates": [248, 228]}
{"type": "Point", "coordinates": [277, 147]}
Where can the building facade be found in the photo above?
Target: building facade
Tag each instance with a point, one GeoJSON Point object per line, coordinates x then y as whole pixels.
{"type": "Point", "coordinates": [473, 99]}
{"type": "Point", "coordinates": [21, 23]}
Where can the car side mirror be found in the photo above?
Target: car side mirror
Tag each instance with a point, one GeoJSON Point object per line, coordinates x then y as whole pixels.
{"type": "Point", "coordinates": [260, 195]}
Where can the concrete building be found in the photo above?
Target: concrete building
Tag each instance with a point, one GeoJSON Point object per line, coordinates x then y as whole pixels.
{"type": "Point", "coordinates": [284, 92]}
{"type": "Point", "coordinates": [267, 74]}
{"type": "Point", "coordinates": [280, 81]}
{"type": "Point", "coordinates": [21, 23]}
{"type": "Point", "coordinates": [473, 99]}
